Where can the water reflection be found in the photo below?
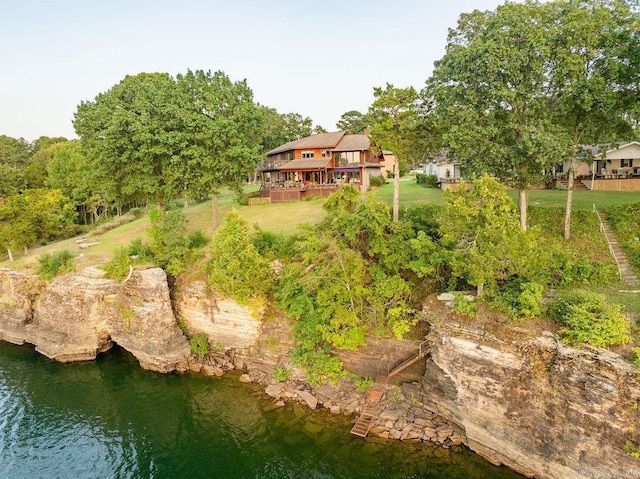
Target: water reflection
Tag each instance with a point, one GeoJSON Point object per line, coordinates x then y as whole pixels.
{"type": "Point", "coordinates": [109, 418]}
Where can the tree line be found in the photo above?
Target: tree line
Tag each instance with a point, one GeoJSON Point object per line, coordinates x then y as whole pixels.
{"type": "Point", "coordinates": [519, 90]}
{"type": "Point", "coordinates": [148, 140]}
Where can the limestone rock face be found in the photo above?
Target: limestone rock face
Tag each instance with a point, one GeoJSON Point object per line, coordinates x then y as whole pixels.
{"type": "Point", "coordinates": [141, 320]}
{"type": "Point", "coordinates": [17, 296]}
{"type": "Point", "coordinates": [539, 407]}
{"type": "Point", "coordinates": [224, 321]}
{"type": "Point", "coordinates": [70, 317]}
{"type": "Point", "coordinates": [80, 315]}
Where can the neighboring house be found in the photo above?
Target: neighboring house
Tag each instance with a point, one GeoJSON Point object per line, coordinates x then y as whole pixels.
{"type": "Point", "coordinates": [317, 165]}
{"type": "Point", "coordinates": [447, 170]}
{"type": "Point", "coordinates": [613, 168]}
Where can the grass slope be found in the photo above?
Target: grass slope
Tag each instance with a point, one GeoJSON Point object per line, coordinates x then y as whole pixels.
{"type": "Point", "coordinates": [285, 217]}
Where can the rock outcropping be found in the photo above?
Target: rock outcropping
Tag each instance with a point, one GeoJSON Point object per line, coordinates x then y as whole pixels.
{"type": "Point", "coordinates": [226, 323]}
{"type": "Point", "coordinates": [533, 404]}
{"type": "Point", "coordinates": [79, 315]}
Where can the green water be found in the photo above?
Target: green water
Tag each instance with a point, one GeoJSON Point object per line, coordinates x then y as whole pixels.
{"type": "Point", "coordinates": [111, 419]}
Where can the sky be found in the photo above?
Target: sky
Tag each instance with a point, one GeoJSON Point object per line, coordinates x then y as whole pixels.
{"type": "Point", "coordinates": [316, 58]}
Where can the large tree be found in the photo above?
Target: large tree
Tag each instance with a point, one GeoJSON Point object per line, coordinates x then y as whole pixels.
{"type": "Point", "coordinates": [490, 92]}
{"type": "Point", "coordinates": [396, 120]}
{"type": "Point", "coordinates": [225, 133]}
{"type": "Point", "coordinates": [14, 156]}
{"type": "Point", "coordinates": [353, 122]}
{"type": "Point", "coordinates": [133, 133]}
{"type": "Point", "coordinates": [594, 72]}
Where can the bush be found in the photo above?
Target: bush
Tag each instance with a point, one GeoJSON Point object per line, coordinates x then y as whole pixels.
{"type": "Point", "coordinates": [51, 265]}
{"type": "Point", "coordinates": [319, 365]}
{"type": "Point", "coordinates": [376, 181]}
{"type": "Point", "coordinates": [588, 318]}
{"type": "Point", "coordinates": [520, 300]}
{"type": "Point", "coordinates": [281, 374]}
{"type": "Point", "coordinates": [236, 269]}
{"type": "Point", "coordinates": [273, 245]}
{"type": "Point", "coordinates": [124, 257]}
{"type": "Point", "coordinates": [428, 181]}
{"type": "Point", "coordinates": [200, 344]}
{"type": "Point", "coordinates": [118, 267]}
{"type": "Point", "coordinates": [464, 306]}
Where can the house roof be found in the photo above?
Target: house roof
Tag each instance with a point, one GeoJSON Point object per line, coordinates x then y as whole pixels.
{"type": "Point", "coordinates": [353, 143]}
{"type": "Point", "coordinates": [305, 164]}
{"type": "Point", "coordinates": [323, 141]}
{"type": "Point", "coordinates": [601, 150]}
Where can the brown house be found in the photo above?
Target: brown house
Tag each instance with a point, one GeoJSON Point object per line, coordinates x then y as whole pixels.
{"type": "Point", "coordinates": [317, 165]}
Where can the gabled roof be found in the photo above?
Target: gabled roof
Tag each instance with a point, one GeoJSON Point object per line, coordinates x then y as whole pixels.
{"type": "Point", "coordinates": [322, 141]}
{"type": "Point", "coordinates": [600, 151]}
{"type": "Point", "coordinates": [353, 143]}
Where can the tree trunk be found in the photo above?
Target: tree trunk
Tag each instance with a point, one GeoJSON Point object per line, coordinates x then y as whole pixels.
{"type": "Point", "coordinates": [186, 203]}
{"type": "Point", "coordinates": [214, 204]}
{"type": "Point", "coordinates": [396, 190]}
{"type": "Point", "coordinates": [567, 216]}
{"type": "Point", "coordinates": [26, 250]}
{"type": "Point", "coordinates": [480, 290]}
{"type": "Point", "coordinates": [523, 205]}
{"type": "Point", "coordinates": [10, 254]}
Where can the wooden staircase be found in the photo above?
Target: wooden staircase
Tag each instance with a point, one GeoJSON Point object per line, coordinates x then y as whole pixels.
{"type": "Point", "coordinates": [370, 407]}
{"type": "Point", "coordinates": [624, 268]}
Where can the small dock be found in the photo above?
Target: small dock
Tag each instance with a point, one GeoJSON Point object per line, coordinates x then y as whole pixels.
{"type": "Point", "coordinates": [370, 407]}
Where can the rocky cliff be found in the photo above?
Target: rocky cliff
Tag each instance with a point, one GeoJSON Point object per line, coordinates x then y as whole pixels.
{"type": "Point", "coordinates": [516, 397]}
{"type": "Point", "coordinates": [79, 315]}
{"type": "Point", "coordinates": [533, 404]}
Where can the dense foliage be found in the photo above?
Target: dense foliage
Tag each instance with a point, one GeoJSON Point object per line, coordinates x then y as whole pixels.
{"type": "Point", "coordinates": [625, 221]}
{"type": "Point", "coordinates": [589, 318]}
{"type": "Point", "coordinates": [235, 268]}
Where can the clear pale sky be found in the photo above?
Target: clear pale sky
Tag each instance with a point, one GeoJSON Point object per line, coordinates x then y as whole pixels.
{"type": "Point", "coordinates": [317, 58]}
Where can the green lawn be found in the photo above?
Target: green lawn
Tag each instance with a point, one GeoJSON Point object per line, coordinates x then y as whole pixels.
{"type": "Point", "coordinates": [582, 200]}
{"type": "Point", "coordinates": [285, 217]}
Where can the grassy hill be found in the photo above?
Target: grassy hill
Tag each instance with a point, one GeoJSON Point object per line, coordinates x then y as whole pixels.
{"type": "Point", "coordinates": [285, 218]}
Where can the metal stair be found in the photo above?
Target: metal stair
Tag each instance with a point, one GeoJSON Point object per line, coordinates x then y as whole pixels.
{"type": "Point", "coordinates": [370, 407]}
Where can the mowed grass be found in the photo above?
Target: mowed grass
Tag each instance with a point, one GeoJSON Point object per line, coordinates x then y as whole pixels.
{"type": "Point", "coordinates": [286, 217]}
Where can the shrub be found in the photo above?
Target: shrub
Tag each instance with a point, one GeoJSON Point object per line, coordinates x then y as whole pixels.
{"type": "Point", "coordinates": [273, 245]}
{"type": "Point", "coordinates": [428, 181]}
{"type": "Point", "coordinates": [319, 365]}
{"type": "Point", "coordinates": [197, 240]}
{"type": "Point", "coordinates": [281, 374]}
{"type": "Point", "coordinates": [464, 306]}
{"type": "Point", "coordinates": [118, 267]}
{"type": "Point", "coordinates": [236, 269]}
{"type": "Point", "coordinates": [376, 181]}
{"type": "Point", "coordinates": [200, 344]}
{"type": "Point", "coordinates": [588, 318]}
{"type": "Point", "coordinates": [51, 265]}
{"type": "Point", "coordinates": [362, 384]}
{"type": "Point", "coordinates": [520, 300]}
{"type": "Point", "coordinates": [134, 253]}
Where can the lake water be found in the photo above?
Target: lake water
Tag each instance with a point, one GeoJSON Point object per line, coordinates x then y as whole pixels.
{"type": "Point", "coordinates": [111, 419]}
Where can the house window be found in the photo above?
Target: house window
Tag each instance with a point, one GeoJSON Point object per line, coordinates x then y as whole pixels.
{"type": "Point", "coordinates": [625, 163]}
{"type": "Point", "coordinates": [347, 158]}
{"type": "Point", "coordinates": [307, 154]}
{"type": "Point", "coordinates": [326, 154]}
